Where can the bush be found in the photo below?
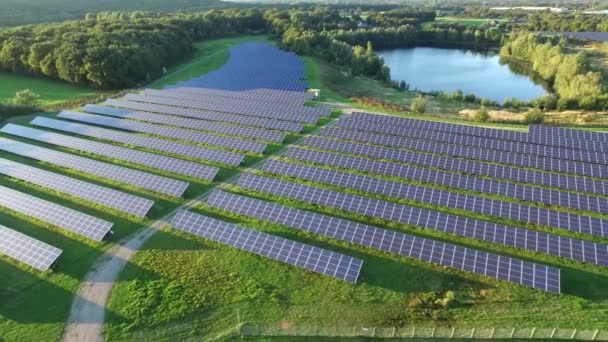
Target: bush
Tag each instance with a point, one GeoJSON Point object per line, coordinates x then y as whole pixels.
{"type": "Point", "coordinates": [26, 98]}
{"type": "Point", "coordinates": [481, 115]}
{"type": "Point", "coordinates": [534, 116]}
{"type": "Point", "coordinates": [485, 102]}
{"type": "Point", "coordinates": [419, 105]}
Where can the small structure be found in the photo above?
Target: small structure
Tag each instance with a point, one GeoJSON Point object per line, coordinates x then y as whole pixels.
{"type": "Point", "coordinates": [315, 92]}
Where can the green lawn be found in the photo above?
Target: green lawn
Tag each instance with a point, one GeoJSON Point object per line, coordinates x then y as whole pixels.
{"type": "Point", "coordinates": [464, 21]}
{"type": "Point", "coordinates": [51, 92]}
{"type": "Point", "coordinates": [209, 56]}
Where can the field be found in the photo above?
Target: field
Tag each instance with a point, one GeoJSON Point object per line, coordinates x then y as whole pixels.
{"type": "Point", "coordinates": [179, 286]}
{"type": "Point", "coordinates": [51, 92]}
{"type": "Point", "coordinates": [465, 21]}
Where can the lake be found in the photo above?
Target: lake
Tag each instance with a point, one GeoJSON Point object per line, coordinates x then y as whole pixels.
{"type": "Point", "coordinates": [480, 73]}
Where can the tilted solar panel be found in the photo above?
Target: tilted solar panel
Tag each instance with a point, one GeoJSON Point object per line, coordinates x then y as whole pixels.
{"type": "Point", "coordinates": [260, 95]}
{"type": "Point", "coordinates": [485, 143]}
{"type": "Point", "coordinates": [465, 259]}
{"type": "Point", "coordinates": [144, 180]}
{"type": "Point", "coordinates": [66, 218]}
{"type": "Point", "coordinates": [171, 132]}
{"type": "Point", "coordinates": [471, 203]}
{"type": "Point", "coordinates": [290, 252]}
{"type": "Point", "coordinates": [213, 127]}
{"type": "Point", "coordinates": [187, 150]}
{"type": "Point", "coordinates": [282, 125]}
{"type": "Point", "coordinates": [227, 107]}
{"type": "Point", "coordinates": [452, 224]}
{"type": "Point", "coordinates": [543, 131]}
{"type": "Point", "coordinates": [174, 165]}
{"type": "Point", "coordinates": [466, 166]}
{"type": "Point", "coordinates": [453, 180]}
{"type": "Point", "coordinates": [91, 192]}
{"type": "Point", "coordinates": [27, 250]}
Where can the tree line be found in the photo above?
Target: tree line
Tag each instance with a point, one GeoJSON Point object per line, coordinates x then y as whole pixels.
{"type": "Point", "coordinates": [578, 22]}
{"type": "Point", "coordinates": [568, 74]}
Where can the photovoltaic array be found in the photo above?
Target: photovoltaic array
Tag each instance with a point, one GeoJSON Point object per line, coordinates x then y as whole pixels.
{"type": "Point", "coordinates": [290, 252]}
{"type": "Point", "coordinates": [123, 105]}
{"type": "Point", "coordinates": [481, 205]}
{"type": "Point", "coordinates": [452, 180]}
{"type": "Point", "coordinates": [448, 223]}
{"type": "Point", "coordinates": [140, 179]}
{"type": "Point", "coordinates": [91, 192]}
{"type": "Point", "coordinates": [461, 258]}
{"type": "Point", "coordinates": [177, 166]}
{"type": "Point", "coordinates": [257, 94]}
{"type": "Point", "coordinates": [27, 250]}
{"type": "Point", "coordinates": [62, 217]}
{"type": "Point", "coordinates": [181, 149]}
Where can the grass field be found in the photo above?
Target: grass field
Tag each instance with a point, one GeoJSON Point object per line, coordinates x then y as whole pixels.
{"type": "Point", "coordinates": [51, 92]}
{"type": "Point", "coordinates": [464, 21]}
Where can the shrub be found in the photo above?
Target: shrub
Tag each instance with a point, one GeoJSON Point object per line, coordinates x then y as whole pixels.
{"type": "Point", "coordinates": [485, 102]}
{"type": "Point", "coordinates": [481, 115]}
{"type": "Point", "coordinates": [26, 98]}
{"type": "Point", "coordinates": [446, 300]}
{"type": "Point", "coordinates": [419, 105]}
{"type": "Point", "coordinates": [534, 116]}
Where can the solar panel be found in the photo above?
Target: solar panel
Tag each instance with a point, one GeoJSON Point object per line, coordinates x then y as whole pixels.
{"type": "Point", "coordinates": [261, 95]}
{"type": "Point", "coordinates": [177, 166]}
{"type": "Point", "coordinates": [455, 200]}
{"type": "Point", "coordinates": [213, 127]}
{"type": "Point", "coordinates": [401, 126]}
{"type": "Point", "coordinates": [453, 180]}
{"type": "Point", "coordinates": [226, 107]}
{"type": "Point", "coordinates": [66, 218]}
{"type": "Point", "coordinates": [456, 139]}
{"type": "Point", "coordinates": [160, 184]}
{"type": "Point", "coordinates": [27, 250]}
{"type": "Point", "coordinates": [187, 150]}
{"type": "Point", "coordinates": [91, 192]}
{"type": "Point", "coordinates": [242, 131]}
{"type": "Point", "coordinates": [298, 109]}
{"type": "Point", "coordinates": [508, 158]}
{"type": "Point", "coordinates": [440, 253]}
{"type": "Point", "coordinates": [543, 131]}
{"type": "Point", "coordinates": [170, 132]}
{"type": "Point", "coordinates": [288, 126]}
{"type": "Point", "coordinates": [451, 224]}
{"type": "Point", "coordinates": [466, 166]}
{"type": "Point", "coordinates": [287, 251]}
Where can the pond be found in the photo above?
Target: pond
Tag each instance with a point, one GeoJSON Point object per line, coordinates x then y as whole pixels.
{"type": "Point", "coordinates": [480, 73]}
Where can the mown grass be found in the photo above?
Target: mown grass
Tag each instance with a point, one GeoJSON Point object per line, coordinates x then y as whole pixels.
{"type": "Point", "coordinates": [463, 21]}
{"type": "Point", "coordinates": [51, 92]}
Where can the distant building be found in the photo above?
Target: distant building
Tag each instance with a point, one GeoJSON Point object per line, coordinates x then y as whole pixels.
{"type": "Point", "coordinates": [532, 8]}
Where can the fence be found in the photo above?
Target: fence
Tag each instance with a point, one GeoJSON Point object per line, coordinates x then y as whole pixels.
{"type": "Point", "coordinates": [425, 332]}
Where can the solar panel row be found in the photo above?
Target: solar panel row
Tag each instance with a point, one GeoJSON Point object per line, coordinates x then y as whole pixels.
{"type": "Point", "coordinates": [465, 259]}
{"type": "Point", "coordinates": [174, 165]}
{"type": "Point", "coordinates": [290, 252]}
{"type": "Point", "coordinates": [178, 121]}
{"type": "Point", "coordinates": [91, 192]}
{"type": "Point", "coordinates": [288, 126]}
{"type": "Point", "coordinates": [259, 94]}
{"type": "Point", "coordinates": [170, 132]}
{"type": "Point", "coordinates": [148, 181]}
{"type": "Point", "coordinates": [457, 225]}
{"type": "Point", "coordinates": [297, 109]}
{"type": "Point", "coordinates": [187, 150]}
{"type": "Point", "coordinates": [466, 166]}
{"type": "Point", "coordinates": [456, 139]}
{"type": "Point", "coordinates": [507, 158]}
{"type": "Point", "coordinates": [476, 204]}
{"type": "Point", "coordinates": [400, 126]}
{"type": "Point", "coordinates": [453, 180]}
{"type": "Point", "coordinates": [27, 250]}
{"type": "Point", "coordinates": [228, 108]}
{"type": "Point", "coordinates": [66, 218]}
{"type": "Point", "coordinates": [544, 131]}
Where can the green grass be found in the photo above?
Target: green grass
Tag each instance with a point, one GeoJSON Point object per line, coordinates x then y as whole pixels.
{"type": "Point", "coordinates": [208, 56]}
{"type": "Point", "coordinates": [463, 21]}
{"type": "Point", "coordinates": [51, 92]}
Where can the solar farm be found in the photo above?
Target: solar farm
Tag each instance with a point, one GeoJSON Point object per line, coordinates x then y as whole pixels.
{"type": "Point", "coordinates": [359, 208]}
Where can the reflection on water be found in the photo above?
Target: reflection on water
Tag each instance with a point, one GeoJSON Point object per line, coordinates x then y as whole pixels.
{"type": "Point", "coordinates": [473, 72]}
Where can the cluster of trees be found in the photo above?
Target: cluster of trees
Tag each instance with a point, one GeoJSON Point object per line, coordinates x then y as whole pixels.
{"type": "Point", "coordinates": [397, 18]}
{"type": "Point", "coordinates": [569, 75]}
{"type": "Point", "coordinates": [112, 50]}
{"type": "Point", "coordinates": [546, 21]}
{"type": "Point", "coordinates": [25, 101]}
{"type": "Point", "coordinates": [381, 38]}
{"type": "Point", "coordinates": [456, 33]}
